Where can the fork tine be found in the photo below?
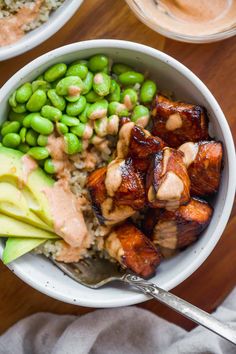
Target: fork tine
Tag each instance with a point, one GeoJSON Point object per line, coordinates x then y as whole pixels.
{"type": "Point", "coordinates": [92, 272]}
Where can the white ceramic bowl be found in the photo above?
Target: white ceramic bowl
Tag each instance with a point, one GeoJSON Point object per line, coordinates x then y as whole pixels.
{"type": "Point", "coordinates": [169, 74]}
{"type": "Point", "coordinates": [33, 38]}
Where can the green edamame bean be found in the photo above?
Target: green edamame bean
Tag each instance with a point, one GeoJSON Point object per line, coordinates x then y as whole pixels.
{"type": "Point", "coordinates": [148, 91]}
{"type": "Point", "coordinates": [49, 166]}
{"type": "Point", "coordinates": [24, 92]}
{"type": "Point", "coordinates": [12, 100]}
{"type": "Point", "coordinates": [113, 124]}
{"type": "Point", "coordinates": [101, 84]}
{"type": "Point", "coordinates": [88, 83]}
{"type": "Point", "coordinates": [77, 70]}
{"type": "Point", "coordinates": [61, 128]}
{"type": "Point", "coordinates": [20, 108]}
{"type": "Point", "coordinates": [73, 145]}
{"type": "Point", "coordinates": [27, 119]}
{"type": "Point", "coordinates": [51, 113]}
{"type": "Point", "coordinates": [98, 62]}
{"type": "Point", "coordinates": [80, 61]}
{"type": "Point", "coordinates": [69, 86]}
{"type": "Point", "coordinates": [100, 127]}
{"type": "Point", "coordinates": [119, 68]}
{"type": "Point", "coordinates": [36, 101]}
{"type": "Point", "coordinates": [72, 98]}
{"type": "Point", "coordinates": [31, 137]}
{"type": "Point", "coordinates": [5, 123]}
{"type": "Point", "coordinates": [11, 140]}
{"type": "Point", "coordinates": [12, 127]}
{"type": "Point", "coordinates": [55, 72]}
{"type": "Point", "coordinates": [40, 84]}
{"type": "Point", "coordinates": [38, 152]}
{"type": "Point", "coordinates": [97, 110]}
{"type": "Point", "coordinates": [42, 140]}
{"type": "Point", "coordinates": [40, 77]}
{"type": "Point", "coordinates": [83, 116]}
{"type": "Point", "coordinates": [129, 97]}
{"type": "Point", "coordinates": [140, 116]}
{"type": "Point", "coordinates": [23, 148]}
{"type": "Point", "coordinates": [22, 134]}
{"type": "Point", "coordinates": [106, 70]}
{"type": "Point", "coordinates": [78, 130]}
{"type": "Point", "coordinates": [131, 78]}
{"type": "Point", "coordinates": [75, 108]}
{"type": "Point", "coordinates": [56, 100]}
{"type": "Point", "coordinates": [114, 93]}
{"type": "Point", "coordinates": [117, 108]}
{"type": "Point", "coordinates": [92, 97]}
{"type": "Point", "coordinates": [13, 116]}
{"type": "Point", "coordinates": [113, 86]}
{"type": "Point", "coordinates": [69, 121]}
{"type": "Point", "coordinates": [42, 125]}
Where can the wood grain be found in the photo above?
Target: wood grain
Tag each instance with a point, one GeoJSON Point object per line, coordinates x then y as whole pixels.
{"type": "Point", "coordinates": [215, 64]}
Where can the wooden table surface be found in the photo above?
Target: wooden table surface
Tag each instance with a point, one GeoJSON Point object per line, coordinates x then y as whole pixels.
{"type": "Point", "coordinates": [215, 64]}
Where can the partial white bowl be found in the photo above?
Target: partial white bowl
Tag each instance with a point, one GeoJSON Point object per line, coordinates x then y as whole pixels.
{"type": "Point", "coordinates": [170, 75]}
{"type": "Point", "coordinates": [33, 38]}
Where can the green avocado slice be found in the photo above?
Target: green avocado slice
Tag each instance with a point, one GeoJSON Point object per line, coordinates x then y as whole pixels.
{"type": "Point", "coordinates": [17, 247]}
{"type": "Point", "coordinates": [10, 227]}
{"type": "Point", "coordinates": [14, 203]}
{"type": "Point", "coordinates": [12, 170]}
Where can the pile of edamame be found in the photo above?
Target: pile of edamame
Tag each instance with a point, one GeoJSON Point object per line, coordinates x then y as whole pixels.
{"type": "Point", "coordinates": [78, 101]}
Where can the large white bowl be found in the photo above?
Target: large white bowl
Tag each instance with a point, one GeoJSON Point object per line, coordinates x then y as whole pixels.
{"type": "Point", "coordinates": [33, 38]}
{"type": "Point", "coordinates": [169, 74]}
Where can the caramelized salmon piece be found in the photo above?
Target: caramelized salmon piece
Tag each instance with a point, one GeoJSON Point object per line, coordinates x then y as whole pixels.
{"type": "Point", "coordinates": [167, 181]}
{"type": "Point", "coordinates": [177, 229]}
{"type": "Point", "coordinates": [132, 249]}
{"type": "Point", "coordinates": [131, 190]}
{"type": "Point", "coordinates": [117, 191]}
{"type": "Point", "coordinates": [204, 163]}
{"type": "Point", "coordinates": [97, 191]}
{"type": "Point", "coordinates": [177, 122]}
{"type": "Point", "coordinates": [137, 143]}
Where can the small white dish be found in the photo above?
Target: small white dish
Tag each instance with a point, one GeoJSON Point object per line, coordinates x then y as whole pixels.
{"type": "Point", "coordinates": [35, 37]}
{"type": "Point", "coordinates": [171, 75]}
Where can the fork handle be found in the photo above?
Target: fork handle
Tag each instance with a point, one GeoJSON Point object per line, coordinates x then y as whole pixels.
{"type": "Point", "coordinates": [186, 309]}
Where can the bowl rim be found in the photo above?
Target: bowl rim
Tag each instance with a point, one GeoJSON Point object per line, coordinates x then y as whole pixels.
{"type": "Point", "coordinates": [42, 33]}
{"type": "Point", "coordinates": [181, 37]}
{"type": "Point", "coordinates": [134, 298]}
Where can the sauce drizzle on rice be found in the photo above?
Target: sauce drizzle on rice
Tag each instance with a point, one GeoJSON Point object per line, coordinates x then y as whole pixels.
{"type": "Point", "coordinates": [19, 17]}
{"type": "Point", "coordinates": [68, 219]}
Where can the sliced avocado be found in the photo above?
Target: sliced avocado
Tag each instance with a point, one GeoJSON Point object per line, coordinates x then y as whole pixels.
{"type": "Point", "coordinates": [10, 227]}
{"type": "Point", "coordinates": [14, 203]}
{"type": "Point", "coordinates": [17, 247]}
{"type": "Point", "coordinates": [12, 169]}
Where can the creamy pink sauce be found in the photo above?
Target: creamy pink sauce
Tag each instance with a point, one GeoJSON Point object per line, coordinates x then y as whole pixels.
{"type": "Point", "coordinates": [70, 254]}
{"type": "Point", "coordinates": [11, 27]}
{"type": "Point", "coordinates": [88, 131]}
{"type": "Point", "coordinates": [67, 217]}
{"type": "Point", "coordinates": [28, 165]}
{"type": "Point", "coordinates": [188, 17]}
{"type": "Point", "coordinates": [98, 113]}
{"type": "Point", "coordinates": [114, 176]}
{"type": "Point", "coordinates": [74, 91]}
{"type": "Point", "coordinates": [124, 140]}
{"type": "Point", "coordinates": [56, 147]}
{"type": "Point", "coordinates": [127, 102]}
{"type": "Point", "coordinates": [98, 79]}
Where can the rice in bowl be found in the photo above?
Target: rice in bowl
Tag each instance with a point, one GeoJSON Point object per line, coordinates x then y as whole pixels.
{"type": "Point", "coordinates": [18, 17]}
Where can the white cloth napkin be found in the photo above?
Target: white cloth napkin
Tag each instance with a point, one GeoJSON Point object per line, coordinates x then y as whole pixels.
{"type": "Point", "coordinates": [128, 330]}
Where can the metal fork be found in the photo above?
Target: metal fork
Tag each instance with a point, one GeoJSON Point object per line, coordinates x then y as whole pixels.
{"type": "Point", "coordinates": [96, 272]}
